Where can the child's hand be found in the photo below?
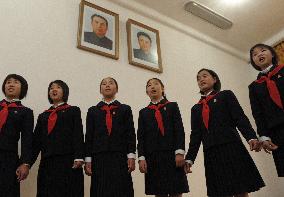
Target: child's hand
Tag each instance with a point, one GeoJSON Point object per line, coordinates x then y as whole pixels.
{"type": "Point", "coordinates": [77, 164]}
{"type": "Point", "coordinates": [269, 146]}
{"type": "Point", "coordinates": [179, 160]}
{"type": "Point", "coordinates": [187, 167]}
{"type": "Point", "coordinates": [88, 168]}
{"type": "Point", "coordinates": [131, 164]}
{"type": "Point", "coordinates": [255, 145]}
{"type": "Point", "coordinates": [22, 172]}
{"type": "Point", "coordinates": [143, 166]}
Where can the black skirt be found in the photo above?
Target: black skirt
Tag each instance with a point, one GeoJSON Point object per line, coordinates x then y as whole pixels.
{"type": "Point", "coordinates": [277, 137]}
{"type": "Point", "coordinates": [56, 178]}
{"type": "Point", "coordinates": [110, 176]}
{"type": "Point", "coordinates": [230, 170]}
{"type": "Point", "coordinates": [163, 177]}
{"type": "Point", "coordinates": [9, 186]}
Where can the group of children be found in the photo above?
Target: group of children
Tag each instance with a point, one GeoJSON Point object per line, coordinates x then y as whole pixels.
{"type": "Point", "coordinates": [108, 153]}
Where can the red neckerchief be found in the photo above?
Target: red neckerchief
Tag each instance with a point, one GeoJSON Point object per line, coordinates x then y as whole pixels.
{"type": "Point", "coordinates": [206, 109]}
{"type": "Point", "coordinates": [53, 117]}
{"type": "Point", "coordinates": [109, 116]}
{"type": "Point", "coordinates": [5, 111]}
{"type": "Point", "coordinates": [271, 86]}
{"type": "Point", "coordinates": [158, 116]}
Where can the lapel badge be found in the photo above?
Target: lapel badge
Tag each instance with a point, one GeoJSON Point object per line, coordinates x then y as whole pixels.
{"type": "Point", "coordinates": [215, 100]}
{"type": "Point", "coordinates": [15, 112]}
{"type": "Point", "coordinates": [165, 108]}
{"type": "Point", "coordinates": [279, 76]}
{"type": "Point", "coordinates": [113, 113]}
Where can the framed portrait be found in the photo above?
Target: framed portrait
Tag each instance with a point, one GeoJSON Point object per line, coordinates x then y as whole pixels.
{"type": "Point", "coordinates": [143, 46]}
{"type": "Point", "coordinates": [98, 30]}
{"type": "Point", "coordinates": [279, 48]}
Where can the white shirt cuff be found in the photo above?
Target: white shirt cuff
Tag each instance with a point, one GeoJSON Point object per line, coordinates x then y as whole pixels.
{"type": "Point", "coordinates": [131, 156]}
{"type": "Point", "coordinates": [141, 158]}
{"type": "Point", "coordinates": [79, 160]}
{"type": "Point", "coordinates": [189, 161]}
{"type": "Point", "coordinates": [251, 140]}
{"type": "Point", "coordinates": [180, 151]}
{"type": "Point", "coordinates": [88, 159]}
{"type": "Point", "coordinates": [264, 138]}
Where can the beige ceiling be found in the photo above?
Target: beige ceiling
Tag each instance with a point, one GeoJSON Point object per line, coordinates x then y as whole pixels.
{"type": "Point", "coordinates": [253, 20]}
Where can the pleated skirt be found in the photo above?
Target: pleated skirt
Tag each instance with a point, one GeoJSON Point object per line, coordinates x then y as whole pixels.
{"type": "Point", "coordinates": [277, 137]}
{"type": "Point", "coordinates": [9, 186]}
{"type": "Point", "coordinates": [230, 170]}
{"type": "Point", "coordinates": [110, 177]}
{"type": "Point", "coordinates": [57, 178]}
{"type": "Point", "coordinates": [163, 177]}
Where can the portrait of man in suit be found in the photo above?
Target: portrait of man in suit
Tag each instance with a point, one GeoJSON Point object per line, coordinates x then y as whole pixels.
{"type": "Point", "coordinates": [145, 44]}
{"type": "Point", "coordinates": [98, 35]}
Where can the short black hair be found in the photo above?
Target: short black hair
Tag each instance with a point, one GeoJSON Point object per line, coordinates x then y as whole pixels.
{"type": "Point", "coordinates": [141, 33]}
{"type": "Point", "coordinates": [160, 81]}
{"type": "Point", "coordinates": [110, 78]}
{"type": "Point", "coordinates": [24, 84]}
{"type": "Point", "coordinates": [64, 87]}
{"type": "Point", "coordinates": [217, 85]}
{"type": "Point", "coordinates": [273, 52]}
{"type": "Point", "coordinates": [96, 15]}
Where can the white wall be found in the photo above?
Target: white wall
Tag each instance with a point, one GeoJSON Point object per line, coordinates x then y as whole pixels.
{"type": "Point", "coordinates": [38, 41]}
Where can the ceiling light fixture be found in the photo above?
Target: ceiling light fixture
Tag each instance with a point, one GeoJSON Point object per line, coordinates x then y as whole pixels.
{"type": "Point", "coordinates": [208, 15]}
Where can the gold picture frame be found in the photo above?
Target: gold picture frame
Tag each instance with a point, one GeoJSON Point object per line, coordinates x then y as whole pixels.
{"type": "Point", "coordinates": [143, 46]}
{"type": "Point", "coordinates": [98, 30]}
{"type": "Point", "coordinates": [279, 49]}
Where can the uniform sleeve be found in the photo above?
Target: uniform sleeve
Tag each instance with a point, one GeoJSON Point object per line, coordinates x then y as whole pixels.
{"type": "Point", "coordinates": [36, 140]}
{"type": "Point", "coordinates": [26, 137]}
{"type": "Point", "coordinates": [178, 129]}
{"type": "Point", "coordinates": [78, 136]}
{"type": "Point", "coordinates": [141, 135]}
{"type": "Point", "coordinates": [241, 121]}
{"type": "Point", "coordinates": [90, 127]}
{"type": "Point", "coordinates": [131, 137]}
{"type": "Point", "coordinates": [195, 137]}
{"type": "Point", "coordinates": [257, 112]}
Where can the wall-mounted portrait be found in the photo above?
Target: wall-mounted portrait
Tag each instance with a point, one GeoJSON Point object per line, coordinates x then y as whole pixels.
{"type": "Point", "coordinates": [98, 30]}
{"type": "Point", "coordinates": [143, 46]}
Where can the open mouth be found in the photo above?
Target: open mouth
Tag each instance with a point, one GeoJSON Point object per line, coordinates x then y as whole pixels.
{"type": "Point", "coordinates": [261, 59]}
{"type": "Point", "coordinates": [153, 91]}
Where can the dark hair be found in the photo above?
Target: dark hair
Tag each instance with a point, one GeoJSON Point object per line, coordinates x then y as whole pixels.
{"type": "Point", "coordinates": [217, 85]}
{"type": "Point", "coordinates": [110, 78]}
{"type": "Point", "coordinates": [159, 80]}
{"type": "Point", "coordinates": [64, 87]}
{"type": "Point", "coordinates": [96, 15]}
{"type": "Point", "coordinates": [274, 55]}
{"type": "Point", "coordinates": [144, 34]}
{"type": "Point", "coordinates": [24, 84]}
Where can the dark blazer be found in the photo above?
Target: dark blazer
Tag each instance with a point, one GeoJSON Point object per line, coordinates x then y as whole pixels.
{"type": "Point", "coordinates": [265, 112]}
{"type": "Point", "coordinates": [20, 121]}
{"type": "Point", "coordinates": [140, 54]}
{"type": "Point", "coordinates": [92, 38]}
{"type": "Point", "coordinates": [122, 138]}
{"type": "Point", "coordinates": [149, 136]}
{"type": "Point", "coordinates": [66, 138]}
{"type": "Point", "coordinates": [225, 115]}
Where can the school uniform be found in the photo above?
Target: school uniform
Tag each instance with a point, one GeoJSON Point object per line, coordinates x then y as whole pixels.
{"type": "Point", "coordinates": [267, 98]}
{"type": "Point", "coordinates": [58, 135]}
{"type": "Point", "coordinates": [229, 169]}
{"type": "Point", "coordinates": [110, 141]}
{"type": "Point", "coordinates": [15, 120]}
{"type": "Point", "coordinates": [160, 137]}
